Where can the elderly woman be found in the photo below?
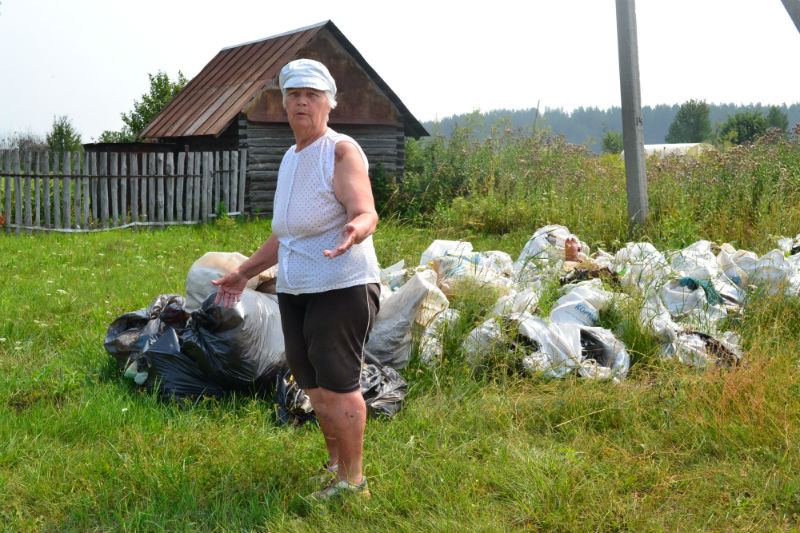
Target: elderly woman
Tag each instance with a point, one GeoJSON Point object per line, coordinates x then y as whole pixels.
{"type": "Point", "coordinates": [323, 219]}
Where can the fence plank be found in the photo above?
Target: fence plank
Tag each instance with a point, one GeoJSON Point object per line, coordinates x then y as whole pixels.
{"type": "Point", "coordinates": [135, 188]}
{"type": "Point", "coordinates": [198, 187]}
{"type": "Point", "coordinates": [234, 181]}
{"type": "Point", "coordinates": [151, 188]}
{"type": "Point", "coordinates": [217, 181]}
{"type": "Point", "coordinates": [87, 157]}
{"type": "Point", "coordinates": [56, 185]}
{"type": "Point", "coordinates": [17, 191]}
{"type": "Point", "coordinates": [113, 168]}
{"type": "Point", "coordinates": [76, 189]}
{"type": "Point", "coordinates": [180, 171]}
{"type": "Point", "coordinates": [226, 180]}
{"type": "Point", "coordinates": [37, 194]}
{"type": "Point", "coordinates": [123, 189]}
{"type": "Point", "coordinates": [160, 186]}
{"type": "Point", "coordinates": [206, 186]}
{"type": "Point", "coordinates": [26, 191]}
{"type": "Point", "coordinates": [7, 189]}
{"type": "Point", "coordinates": [190, 187]}
{"type": "Point", "coordinates": [242, 178]}
{"type": "Point", "coordinates": [102, 172]}
{"type": "Point", "coordinates": [66, 189]}
{"type": "Point", "coordinates": [46, 214]}
{"type": "Point", "coordinates": [169, 186]}
{"type": "Point", "coordinates": [94, 188]}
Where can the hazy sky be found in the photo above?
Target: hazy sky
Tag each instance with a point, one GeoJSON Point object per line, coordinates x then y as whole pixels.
{"type": "Point", "coordinates": [89, 59]}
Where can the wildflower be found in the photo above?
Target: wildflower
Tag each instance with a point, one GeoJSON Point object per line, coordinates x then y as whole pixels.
{"type": "Point", "coordinates": [61, 291]}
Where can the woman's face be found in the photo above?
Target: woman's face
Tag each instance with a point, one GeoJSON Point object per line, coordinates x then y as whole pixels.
{"type": "Point", "coordinates": [307, 109]}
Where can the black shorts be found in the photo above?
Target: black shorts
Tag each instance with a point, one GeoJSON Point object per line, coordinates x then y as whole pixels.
{"type": "Point", "coordinates": [325, 334]}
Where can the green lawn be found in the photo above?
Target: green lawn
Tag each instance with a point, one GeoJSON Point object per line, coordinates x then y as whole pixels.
{"type": "Point", "coordinates": [81, 449]}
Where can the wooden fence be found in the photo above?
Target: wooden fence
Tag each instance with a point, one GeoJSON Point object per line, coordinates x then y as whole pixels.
{"type": "Point", "coordinates": [90, 191]}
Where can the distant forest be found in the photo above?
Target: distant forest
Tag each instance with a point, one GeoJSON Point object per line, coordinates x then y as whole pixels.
{"type": "Point", "coordinates": [587, 125]}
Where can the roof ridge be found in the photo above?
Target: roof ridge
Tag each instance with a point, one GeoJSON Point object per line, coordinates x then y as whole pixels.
{"type": "Point", "coordinates": [298, 30]}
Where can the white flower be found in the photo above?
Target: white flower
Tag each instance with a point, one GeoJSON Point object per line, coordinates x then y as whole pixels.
{"type": "Point", "coordinates": [61, 291]}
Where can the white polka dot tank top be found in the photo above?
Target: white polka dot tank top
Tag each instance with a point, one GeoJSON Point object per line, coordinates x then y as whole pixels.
{"type": "Point", "coordinates": [307, 219]}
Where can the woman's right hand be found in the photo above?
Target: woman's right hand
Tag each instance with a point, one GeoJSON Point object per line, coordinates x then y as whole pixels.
{"type": "Point", "coordinates": [230, 289]}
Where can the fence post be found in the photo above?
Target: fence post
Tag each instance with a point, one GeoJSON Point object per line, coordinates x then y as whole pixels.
{"type": "Point", "coordinates": [226, 180]}
{"type": "Point", "coordinates": [66, 189]}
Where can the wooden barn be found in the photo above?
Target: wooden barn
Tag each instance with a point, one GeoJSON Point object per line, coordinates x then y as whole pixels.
{"type": "Point", "coordinates": [235, 103]}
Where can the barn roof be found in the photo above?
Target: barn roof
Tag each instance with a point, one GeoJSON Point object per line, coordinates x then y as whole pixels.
{"type": "Point", "coordinates": [239, 74]}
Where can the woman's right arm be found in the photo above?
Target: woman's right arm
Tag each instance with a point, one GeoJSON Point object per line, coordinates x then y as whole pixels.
{"type": "Point", "coordinates": [232, 284]}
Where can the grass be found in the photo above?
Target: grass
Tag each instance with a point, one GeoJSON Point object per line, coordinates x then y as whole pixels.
{"type": "Point", "coordinates": [670, 448]}
{"type": "Point", "coordinates": [82, 450]}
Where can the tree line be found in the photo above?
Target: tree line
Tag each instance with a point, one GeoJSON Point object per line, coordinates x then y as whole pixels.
{"type": "Point", "coordinates": [592, 126]}
{"type": "Point", "coordinates": [63, 136]}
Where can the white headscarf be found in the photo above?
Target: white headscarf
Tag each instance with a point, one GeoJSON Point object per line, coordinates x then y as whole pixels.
{"type": "Point", "coordinates": [306, 73]}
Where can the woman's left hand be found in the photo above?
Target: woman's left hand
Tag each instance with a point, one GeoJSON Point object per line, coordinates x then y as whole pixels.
{"type": "Point", "coordinates": [345, 240]}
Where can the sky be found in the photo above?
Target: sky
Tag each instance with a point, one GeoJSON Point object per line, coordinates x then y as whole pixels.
{"type": "Point", "coordinates": [89, 59]}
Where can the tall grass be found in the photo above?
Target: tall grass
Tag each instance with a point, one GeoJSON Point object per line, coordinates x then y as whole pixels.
{"type": "Point", "coordinates": [668, 449]}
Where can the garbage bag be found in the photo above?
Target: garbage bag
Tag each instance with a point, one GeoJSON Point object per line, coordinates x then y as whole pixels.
{"type": "Point", "coordinates": [131, 334]}
{"type": "Point", "coordinates": [217, 350]}
{"type": "Point", "coordinates": [640, 266]}
{"type": "Point", "coordinates": [487, 268]}
{"type": "Point", "coordinates": [440, 247]}
{"type": "Point", "coordinates": [417, 300]}
{"type": "Point", "coordinates": [695, 348]}
{"type": "Point", "coordinates": [240, 347]}
{"type": "Point", "coordinates": [696, 261]}
{"type": "Point", "coordinates": [773, 271]}
{"type": "Point", "coordinates": [214, 265]}
{"type": "Point", "coordinates": [430, 342]}
{"type": "Point", "coordinates": [518, 301]}
{"type": "Point", "coordinates": [382, 387]}
{"type": "Point", "coordinates": [544, 250]}
{"type": "Point", "coordinates": [582, 303]}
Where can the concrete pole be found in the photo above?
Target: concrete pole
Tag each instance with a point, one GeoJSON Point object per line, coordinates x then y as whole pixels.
{"type": "Point", "coordinates": [632, 136]}
{"type": "Point", "coordinates": [793, 7]}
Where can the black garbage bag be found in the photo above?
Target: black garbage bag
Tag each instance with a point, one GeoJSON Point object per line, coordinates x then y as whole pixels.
{"type": "Point", "coordinates": [216, 351]}
{"type": "Point", "coordinates": [382, 387]}
{"type": "Point", "coordinates": [132, 334]}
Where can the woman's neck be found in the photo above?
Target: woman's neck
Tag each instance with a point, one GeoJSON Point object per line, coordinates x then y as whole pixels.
{"type": "Point", "coordinates": [306, 139]}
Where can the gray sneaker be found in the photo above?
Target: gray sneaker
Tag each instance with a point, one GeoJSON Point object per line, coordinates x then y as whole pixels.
{"type": "Point", "coordinates": [338, 489]}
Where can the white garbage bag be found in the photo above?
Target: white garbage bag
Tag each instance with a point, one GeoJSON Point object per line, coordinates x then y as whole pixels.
{"type": "Point", "coordinates": [214, 265]}
{"type": "Point", "coordinates": [773, 271]}
{"type": "Point", "coordinates": [639, 265]}
{"type": "Point", "coordinates": [582, 303]}
{"type": "Point", "coordinates": [417, 300]}
{"type": "Point", "coordinates": [487, 268]}
{"type": "Point", "coordinates": [543, 251]}
{"type": "Point", "coordinates": [440, 247]}
{"type": "Point", "coordinates": [430, 343]}
{"type": "Point", "coordinates": [696, 261]}
{"type": "Point", "coordinates": [482, 340]}
{"type": "Point", "coordinates": [517, 301]}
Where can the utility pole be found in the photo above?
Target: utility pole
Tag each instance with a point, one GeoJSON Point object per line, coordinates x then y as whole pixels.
{"type": "Point", "coordinates": [632, 136]}
{"type": "Point", "coordinates": [793, 7]}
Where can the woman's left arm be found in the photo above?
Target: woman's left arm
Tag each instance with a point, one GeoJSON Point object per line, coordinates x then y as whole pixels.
{"type": "Point", "coordinates": [353, 190]}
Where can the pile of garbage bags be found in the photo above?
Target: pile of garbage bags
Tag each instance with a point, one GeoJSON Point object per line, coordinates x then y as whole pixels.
{"type": "Point", "coordinates": [192, 347]}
